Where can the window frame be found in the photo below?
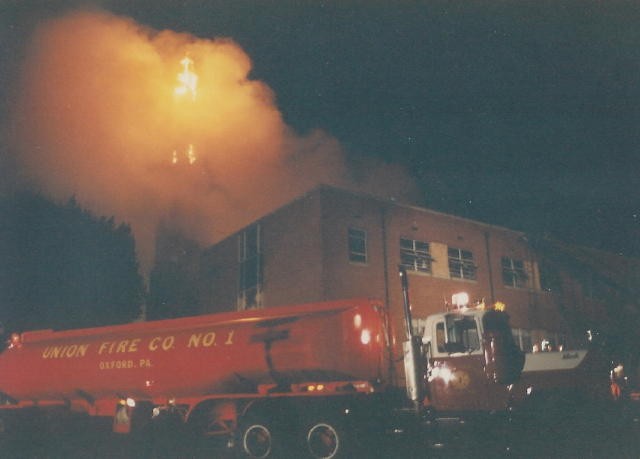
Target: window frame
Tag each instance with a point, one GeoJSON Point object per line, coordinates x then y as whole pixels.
{"type": "Point", "coordinates": [466, 267]}
{"type": "Point", "coordinates": [356, 256]}
{"type": "Point", "coordinates": [512, 275]}
{"type": "Point", "coordinates": [420, 259]}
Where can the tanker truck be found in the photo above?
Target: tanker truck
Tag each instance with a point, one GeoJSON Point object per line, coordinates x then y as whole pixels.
{"type": "Point", "coordinates": [308, 380]}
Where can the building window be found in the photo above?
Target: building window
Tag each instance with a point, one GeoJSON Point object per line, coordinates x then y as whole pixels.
{"type": "Point", "coordinates": [357, 246]}
{"type": "Point", "coordinates": [461, 265]}
{"type": "Point", "coordinates": [250, 259]}
{"type": "Point", "coordinates": [513, 273]}
{"type": "Point", "coordinates": [414, 255]}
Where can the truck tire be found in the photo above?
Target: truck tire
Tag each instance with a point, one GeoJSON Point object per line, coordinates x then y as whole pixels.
{"type": "Point", "coordinates": [257, 439]}
{"type": "Point", "coordinates": [326, 439]}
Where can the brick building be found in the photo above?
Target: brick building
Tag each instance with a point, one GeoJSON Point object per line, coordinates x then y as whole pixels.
{"type": "Point", "coordinates": [331, 244]}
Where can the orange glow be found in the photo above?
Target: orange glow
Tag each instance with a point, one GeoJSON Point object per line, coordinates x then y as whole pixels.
{"type": "Point", "coordinates": [187, 84]}
{"type": "Point", "coordinates": [99, 111]}
{"type": "Point", "coordinates": [188, 80]}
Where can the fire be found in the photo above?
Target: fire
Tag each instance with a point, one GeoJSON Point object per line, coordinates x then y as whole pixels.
{"type": "Point", "coordinates": [99, 83]}
{"type": "Point", "coordinates": [188, 84]}
{"type": "Point", "coordinates": [188, 79]}
{"type": "Point", "coordinates": [190, 155]}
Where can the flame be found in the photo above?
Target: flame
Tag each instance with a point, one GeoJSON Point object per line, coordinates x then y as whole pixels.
{"type": "Point", "coordinates": [101, 83]}
{"type": "Point", "coordinates": [188, 84]}
{"type": "Point", "coordinates": [191, 155]}
{"type": "Point", "coordinates": [188, 79]}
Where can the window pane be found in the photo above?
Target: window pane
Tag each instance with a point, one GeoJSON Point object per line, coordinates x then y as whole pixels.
{"type": "Point", "coordinates": [357, 246]}
{"type": "Point", "coordinates": [461, 265]}
{"type": "Point", "coordinates": [414, 255]}
{"type": "Point", "coordinates": [406, 244]}
{"type": "Point", "coordinates": [513, 272]}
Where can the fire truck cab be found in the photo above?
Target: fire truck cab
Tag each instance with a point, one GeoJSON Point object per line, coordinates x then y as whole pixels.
{"type": "Point", "coordinates": [467, 351]}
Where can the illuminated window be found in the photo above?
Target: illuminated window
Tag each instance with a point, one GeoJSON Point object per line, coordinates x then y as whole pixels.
{"type": "Point", "coordinates": [357, 246]}
{"type": "Point", "coordinates": [250, 275]}
{"type": "Point", "coordinates": [461, 265]}
{"type": "Point", "coordinates": [414, 255]}
{"type": "Point", "coordinates": [513, 273]}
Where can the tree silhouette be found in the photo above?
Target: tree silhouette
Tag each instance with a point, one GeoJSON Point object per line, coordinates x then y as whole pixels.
{"type": "Point", "coordinates": [62, 267]}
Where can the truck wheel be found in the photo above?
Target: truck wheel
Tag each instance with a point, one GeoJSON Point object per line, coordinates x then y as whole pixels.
{"type": "Point", "coordinates": [257, 439]}
{"type": "Point", "coordinates": [326, 440]}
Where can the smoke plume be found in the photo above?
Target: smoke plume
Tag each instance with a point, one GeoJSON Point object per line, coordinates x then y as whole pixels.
{"type": "Point", "coordinates": [99, 118]}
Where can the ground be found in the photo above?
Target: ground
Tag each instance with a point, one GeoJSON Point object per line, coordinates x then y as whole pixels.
{"type": "Point", "coordinates": [85, 438]}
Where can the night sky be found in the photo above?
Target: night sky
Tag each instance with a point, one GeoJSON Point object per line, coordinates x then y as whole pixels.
{"type": "Point", "coordinates": [517, 113]}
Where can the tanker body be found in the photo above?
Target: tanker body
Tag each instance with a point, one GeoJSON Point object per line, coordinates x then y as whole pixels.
{"type": "Point", "coordinates": [315, 380]}
{"type": "Point", "coordinates": [220, 353]}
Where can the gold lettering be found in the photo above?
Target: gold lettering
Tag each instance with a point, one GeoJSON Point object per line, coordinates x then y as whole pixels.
{"type": "Point", "coordinates": [153, 344]}
{"type": "Point", "coordinates": [133, 346]}
{"type": "Point", "coordinates": [167, 343]}
{"type": "Point", "coordinates": [194, 340]}
{"type": "Point", "coordinates": [229, 338]}
{"type": "Point", "coordinates": [82, 350]}
{"type": "Point", "coordinates": [122, 346]}
{"type": "Point", "coordinates": [209, 339]}
{"type": "Point", "coordinates": [70, 351]}
{"type": "Point", "coordinates": [67, 351]}
{"type": "Point", "coordinates": [103, 347]}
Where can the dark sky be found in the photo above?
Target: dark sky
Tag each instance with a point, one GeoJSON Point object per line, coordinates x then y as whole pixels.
{"type": "Point", "coordinates": [519, 113]}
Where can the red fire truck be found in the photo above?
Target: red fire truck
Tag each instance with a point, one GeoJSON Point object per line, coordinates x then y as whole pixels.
{"type": "Point", "coordinates": [310, 378]}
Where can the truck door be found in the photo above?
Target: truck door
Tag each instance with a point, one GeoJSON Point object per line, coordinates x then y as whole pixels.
{"type": "Point", "coordinates": [456, 377]}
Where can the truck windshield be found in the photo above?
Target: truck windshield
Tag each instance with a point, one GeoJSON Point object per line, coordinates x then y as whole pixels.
{"type": "Point", "coordinates": [461, 334]}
